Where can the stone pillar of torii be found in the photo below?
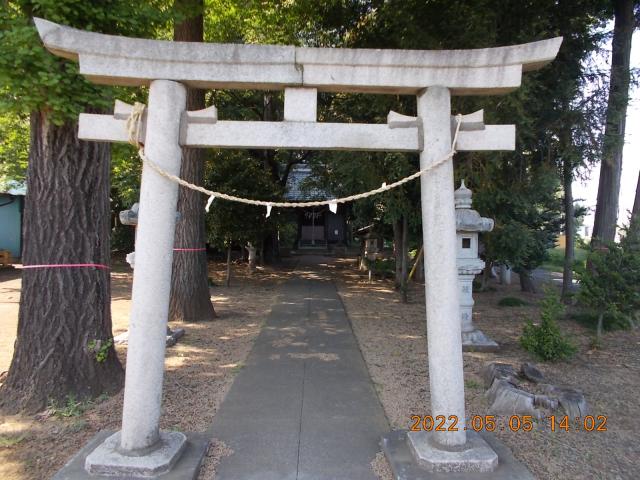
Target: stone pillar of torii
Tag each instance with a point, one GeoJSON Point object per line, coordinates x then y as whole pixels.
{"type": "Point", "coordinates": [168, 68]}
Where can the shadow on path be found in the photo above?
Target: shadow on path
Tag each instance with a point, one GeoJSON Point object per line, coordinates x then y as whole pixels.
{"type": "Point", "coordinates": [303, 407]}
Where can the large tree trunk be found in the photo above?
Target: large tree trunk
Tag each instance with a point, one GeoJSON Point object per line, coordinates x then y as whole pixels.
{"type": "Point", "coordinates": [190, 297]}
{"type": "Point", "coordinates": [606, 215]}
{"type": "Point", "coordinates": [569, 230]}
{"type": "Point", "coordinates": [63, 311]}
{"type": "Point", "coordinates": [635, 213]}
{"type": "Point", "coordinates": [634, 221]}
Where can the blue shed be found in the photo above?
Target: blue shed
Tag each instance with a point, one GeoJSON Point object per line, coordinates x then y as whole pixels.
{"type": "Point", "coordinates": [11, 206]}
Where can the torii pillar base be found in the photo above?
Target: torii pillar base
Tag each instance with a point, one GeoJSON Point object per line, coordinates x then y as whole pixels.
{"type": "Point", "coordinates": [185, 467]}
{"type": "Point", "coordinates": [474, 456]}
{"type": "Point", "coordinates": [108, 459]}
{"type": "Point", "coordinates": [405, 465]}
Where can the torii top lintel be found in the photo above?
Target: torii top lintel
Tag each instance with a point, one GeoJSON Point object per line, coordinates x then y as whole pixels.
{"type": "Point", "coordinates": [115, 60]}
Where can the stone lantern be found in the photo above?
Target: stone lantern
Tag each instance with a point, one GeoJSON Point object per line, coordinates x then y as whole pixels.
{"type": "Point", "coordinates": [468, 224]}
{"type": "Point", "coordinates": [130, 217]}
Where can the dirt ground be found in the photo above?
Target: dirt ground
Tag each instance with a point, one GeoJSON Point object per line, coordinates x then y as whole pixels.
{"type": "Point", "coordinates": [392, 337]}
{"type": "Point", "coordinates": [199, 372]}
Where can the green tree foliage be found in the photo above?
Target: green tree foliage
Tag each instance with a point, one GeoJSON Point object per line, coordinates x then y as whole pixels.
{"type": "Point", "coordinates": [14, 149]}
{"type": "Point", "coordinates": [525, 183]}
{"type": "Point", "coordinates": [271, 22]}
{"type": "Point", "coordinates": [545, 340]}
{"type": "Point", "coordinates": [301, 22]}
{"type": "Point", "coordinates": [526, 207]}
{"type": "Point", "coordinates": [33, 79]}
{"type": "Point", "coordinates": [610, 281]}
{"type": "Point", "coordinates": [229, 223]}
{"type": "Point", "coordinates": [49, 89]}
{"type": "Point", "coordinates": [558, 124]}
{"type": "Point", "coordinates": [547, 105]}
{"type": "Point", "coordinates": [626, 20]}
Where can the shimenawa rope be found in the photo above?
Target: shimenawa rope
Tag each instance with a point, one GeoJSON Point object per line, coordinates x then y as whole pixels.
{"type": "Point", "coordinates": [134, 126]}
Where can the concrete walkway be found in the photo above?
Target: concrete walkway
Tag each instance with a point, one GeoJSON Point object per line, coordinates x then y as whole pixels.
{"type": "Point", "coordinates": [304, 406]}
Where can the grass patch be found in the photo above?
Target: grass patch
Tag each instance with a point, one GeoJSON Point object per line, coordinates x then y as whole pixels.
{"type": "Point", "coordinates": [472, 384]}
{"type": "Point", "coordinates": [236, 369]}
{"type": "Point", "coordinates": [555, 260]}
{"type": "Point", "coordinates": [71, 408]}
{"type": "Point", "coordinates": [7, 441]}
{"type": "Point", "coordinates": [512, 302]}
{"type": "Point", "coordinates": [103, 397]}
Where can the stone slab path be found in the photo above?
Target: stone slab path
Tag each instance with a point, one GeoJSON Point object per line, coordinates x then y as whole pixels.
{"type": "Point", "coordinates": [303, 407]}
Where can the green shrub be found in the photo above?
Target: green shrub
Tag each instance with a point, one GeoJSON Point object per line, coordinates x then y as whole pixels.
{"type": "Point", "coordinates": [512, 302]}
{"type": "Point", "coordinates": [610, 283]}
{"type": "Point", "coordinates": [381, 265]}
{"type": "Point", "coordinates": [71, 408]}
{"type": "Point", "coordinates": [611, 321]}
{"type": "Point", "coordinates": [546, 341]}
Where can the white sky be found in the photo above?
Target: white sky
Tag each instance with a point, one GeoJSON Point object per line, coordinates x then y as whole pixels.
{"type": "Point", "coordinates": [588, 191]}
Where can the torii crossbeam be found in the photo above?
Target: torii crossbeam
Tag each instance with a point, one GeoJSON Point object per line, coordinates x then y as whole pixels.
{"type": "Point", "coordinates": [169, 67]}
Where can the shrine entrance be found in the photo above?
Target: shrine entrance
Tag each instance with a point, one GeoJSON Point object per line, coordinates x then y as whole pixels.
{"type": "Point", "coordinates": [312, 227]}
{"type": "Point", "coordinates": [164, 127]}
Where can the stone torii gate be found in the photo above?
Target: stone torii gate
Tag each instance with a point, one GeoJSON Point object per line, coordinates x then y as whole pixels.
{"type": "Point", "coordinates": [169, 67]}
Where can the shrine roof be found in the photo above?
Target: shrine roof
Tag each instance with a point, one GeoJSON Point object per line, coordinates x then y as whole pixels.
{"type": "Point", "coordinates": [295, 189]}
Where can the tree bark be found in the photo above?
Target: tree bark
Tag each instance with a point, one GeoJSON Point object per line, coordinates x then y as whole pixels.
{"type": "Point", "coordinates": [63, 311]}
{"type": "Point", "coordinates": [634, 221]}
{"type": "Point", "coordinates": [486, 274]}
{"type": "Point", "coordinates": [569, 230]}
{"type": "Point", "coordinates": [397, 251]}
{"type": "Point", "coordinates": [416, 264]}
{"type": "Point", "coordinates": [405, 254]}
{"type": "Point", "coordinates": [526, 281]}
{"type": "Point", "coordinates": [228, 280]}
{"type": "Point", "coordinates": [599, 327]}
{"type": "Point", "coordinates": [606, 215]}
{"type": "Point", "coordinates": [190, 296]}
{"type": "Point", "coordinates": [261, 253]}
{"type": "Point", "coordinates": [635, 213]}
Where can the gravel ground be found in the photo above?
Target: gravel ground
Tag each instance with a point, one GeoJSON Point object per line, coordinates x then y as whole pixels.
{"type": "Point", "coordinates": [199, 372]}
{"type": "Point", "coordinates": [392, 337]}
